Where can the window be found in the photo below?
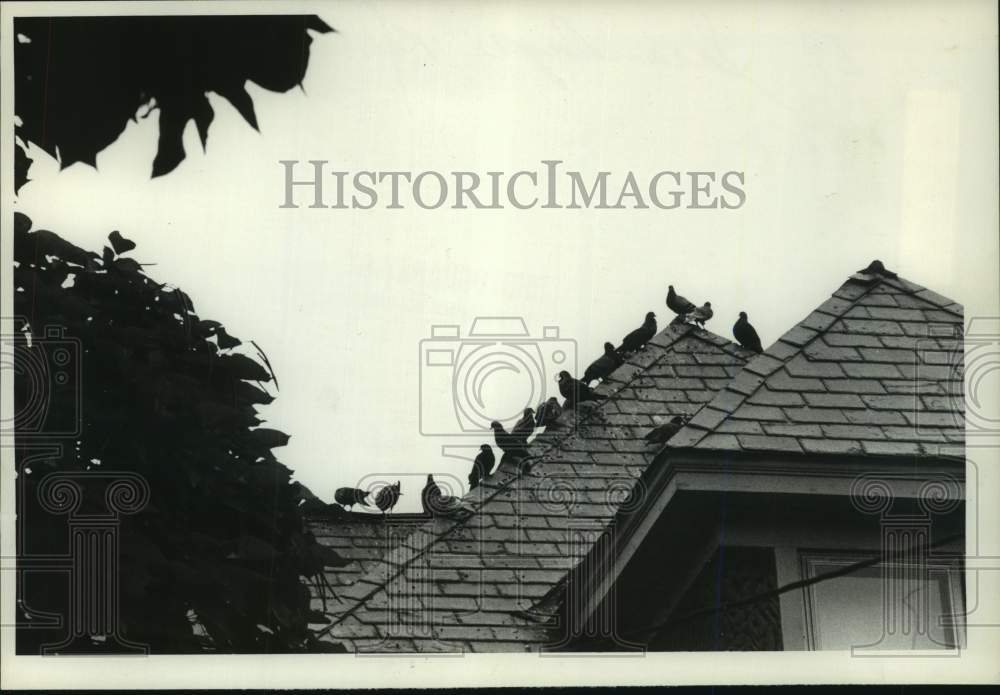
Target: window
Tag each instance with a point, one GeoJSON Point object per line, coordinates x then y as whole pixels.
{"type": "Point", "coordinates": [889, 606]}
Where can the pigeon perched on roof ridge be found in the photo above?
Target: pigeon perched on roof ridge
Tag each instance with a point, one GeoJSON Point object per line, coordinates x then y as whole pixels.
{"type": "Point", "coordinates": [681, 306]}
{"type": "Point", "coordinates": [603, 366]}
{"type": "Point", "coordinates": [387, 497]}
{"type": "Point", "coordinates": [435, 503]}
{"type": "Point", "coordinates": [636, 340]}
{"type": "Point", "coordinates": [548, 412]}
{"type": "Point", "coordinates": [349, 496]}
{"type": "Point", "coordinates": [746, 334]}
{"type": "Point", "coordinates": [702, 314]}
{"type": "Point", "coordinates": [507, 443]}
{"type": "Point", "coordinates": [524, 427]}
{"type": "Point", "coordinates": [877, 267]}
{"type": "Point", "coordinates": [482, 466]}
{"type": "Point", "coordinates": [575, 391]}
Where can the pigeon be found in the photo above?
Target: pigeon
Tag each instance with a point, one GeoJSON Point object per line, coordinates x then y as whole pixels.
{"type": "Point", "coordinates": [660, 435]}
{"type": "Point", "coordinates": [702, 314]}
{"type": "Point", "coordinates": [436, 503]}
{"type": "Point", "coordinates": [637, 339]}
{"type": "Point", "coordinates": [350, 496]}
{"type": "Point", "coordinates": [602, 367]}
{"type": "Point", "coordinates": [387, 497]}
{"type": "Point", "coordinates": [507, 443]}
{"type": "Point", "coordinates": [678, 304]}
{"type": "Point", "coordinates": [575, 391]}
{"type": "Point", "coordinates": [525, 427]}
{"type": "Point", "coordinates": [482, 466]}
{"type": "Point", "coordinates": [876, 267]}
{"type": "Point", "coordinates": [746, 334]}
{"type": "Point", "coordinates": [430, 496]}
{"type": "Point", "coordinates": [548, 412]}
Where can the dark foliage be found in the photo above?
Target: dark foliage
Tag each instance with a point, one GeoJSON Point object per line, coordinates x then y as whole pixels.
{"type": "Point", "coordinates": [80, 79]}
{"type": "Point", "coordinates": [171, 397]}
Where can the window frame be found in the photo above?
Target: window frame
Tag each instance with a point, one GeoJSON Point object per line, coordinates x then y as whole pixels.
{"type": "Point", "coordinates": [807, 559]}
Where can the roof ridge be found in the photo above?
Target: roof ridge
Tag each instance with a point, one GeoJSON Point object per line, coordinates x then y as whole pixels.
{"type": "Point", "coordinates": [797, 341]}
{"type": "Point", "coordinates": [673, 331]}
{"type": "Point", "coordinates": [927, 295]}
{"type": "Point", "coordinates": [756, 370]}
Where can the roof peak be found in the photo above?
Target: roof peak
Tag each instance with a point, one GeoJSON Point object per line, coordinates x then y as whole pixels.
{"type": "Point", "coordinates": [870, 280]}
{"type": "Point", "coordinates": [854, 373]}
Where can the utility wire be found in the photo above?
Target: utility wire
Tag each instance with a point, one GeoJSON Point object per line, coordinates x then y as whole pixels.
{"type": "Point", "coordinates": [657, 628]}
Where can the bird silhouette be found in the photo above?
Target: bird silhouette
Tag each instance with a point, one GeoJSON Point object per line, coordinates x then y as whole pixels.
{"type": "Point", "coordinates": [548, 412]}
{"type": "Point", "coordinates": [387, 497]}
{"type": "Point", "coordinates": [507, 443]}
{"type": "Point", "coordinates": [482, 466]}
{"type": "Point", "coordinates": [525, 427]}
{"type": "Point", "coordinates": [602, 367]}
{"type": "Point", "coordinates": [350, 496]}
{"type": "Point", "coordinates": [437, 504]}
{"type": "Point", "coordinates": [661, 434]}
{"type": "Point", "coordinates": [678, 304]}
{"type": "Point", "coordinates": [877, 267]}
{"type": "Point", "coordinates": [702, 314]}
{"type": "Point", "coordinates": [746, 334]}
{"type": "Point", "coordinates": [637, 339]}
{"type": "Point", "coordinates": [430, 496]}
{"type": "Point", "coordinates": [575, 391]}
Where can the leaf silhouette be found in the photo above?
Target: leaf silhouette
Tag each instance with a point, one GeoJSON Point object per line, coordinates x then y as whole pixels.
{"type": "Point", "coordinates": [223, 537]}
{"type": "Point", "coordinates": [79, 80]}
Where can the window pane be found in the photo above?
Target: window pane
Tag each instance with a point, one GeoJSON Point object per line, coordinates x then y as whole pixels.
{"type": "Point", "coordinates": [877, 608]}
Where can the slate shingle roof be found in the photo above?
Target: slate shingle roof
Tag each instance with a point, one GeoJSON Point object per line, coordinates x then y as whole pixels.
{"type": "Point", "coordinates": [362, 540]}
{"type": "Point", "coordinates": [875, 370]}
{"type": "Point", "coordinates": [463, 586]}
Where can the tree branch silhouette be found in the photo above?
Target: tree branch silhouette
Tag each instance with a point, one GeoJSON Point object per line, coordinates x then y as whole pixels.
{"type": "Point", "coordinates": [80, 80]}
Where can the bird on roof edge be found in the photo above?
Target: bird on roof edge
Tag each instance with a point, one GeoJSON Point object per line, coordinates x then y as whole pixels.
{"type": "Point", "coordinates": [435, 503]}
{"type": "Point", "coordinates": [746, 334]}
{"type": "Point", "coordinates": [877, 267]}
{"type": "Point", "coordinates": [637, 339]}
{"type": "Point", "coordinates": [681, 306]}
{"type": "Point", "coordinates": [350, 496]}
{"type": "Point", "coordinates": [575, 391]}
{"type": "Point", "coordinates": [524, 427]}
{"type": "Point", "coordinates": [548, 412]}
{"type": "Point", "coordinates": [702, 314]}
{"type": "Point", "coordinates": [387, 497]}
{"type": "Point", "coordinates": [482, 466]}
{"type": "Point", "coordinates": [507, 442]}
{"type": "Point", "coordinates": [602, 367]}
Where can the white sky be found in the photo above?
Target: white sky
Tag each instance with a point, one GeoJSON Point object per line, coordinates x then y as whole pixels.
{"type": "Point", "coordinates": [863, 132]}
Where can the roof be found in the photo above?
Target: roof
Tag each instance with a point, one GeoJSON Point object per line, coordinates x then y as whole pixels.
{"type": "Point", "coordinates": [464, 585]}
{"type": "Point", "coordinates": [875, 370]}
{"type": "Point", "coordinates": [360, 539]}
